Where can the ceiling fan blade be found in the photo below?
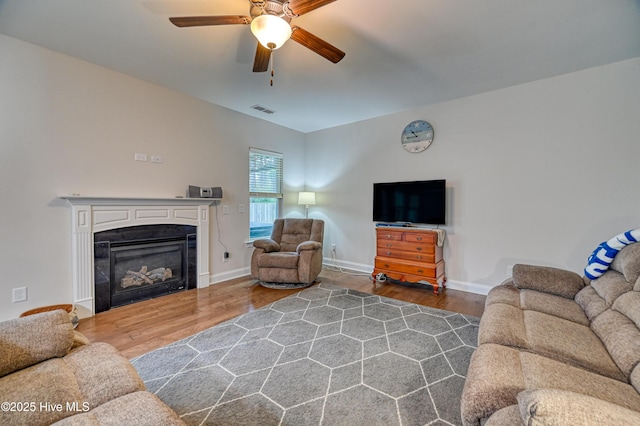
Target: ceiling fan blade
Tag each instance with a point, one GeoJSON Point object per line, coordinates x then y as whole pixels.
{"type": "Point", "coordinates": [261, 62]}
{"type": "Point", "coordinates": [300, 7]}
{"type": "Point", "coordinates": [199, 21]}
{"type": "Point", "coordinates": [316, 44]}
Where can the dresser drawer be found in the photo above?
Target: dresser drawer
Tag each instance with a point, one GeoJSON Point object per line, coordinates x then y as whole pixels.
{"type": "Point", "coordinates": [407, 267]}
{"type": "Point", "coordinates": [421, 237]}
{"type": "Point", "coordinates": [385, 234]}
{"type": "Point", "coordinates": [406, 246]}
{"type": "Point", "coordinates": [408, 255]}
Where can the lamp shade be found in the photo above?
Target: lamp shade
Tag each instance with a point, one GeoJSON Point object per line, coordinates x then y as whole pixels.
{"type": "Point", "coordinates": [270, 30]}
{"type": "Point", "coordinates": [307, 198]}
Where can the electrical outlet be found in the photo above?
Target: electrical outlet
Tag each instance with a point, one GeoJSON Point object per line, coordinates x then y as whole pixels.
{"type": "Point", "coordinates": [156, 159]}
{"type": "Point", "coordinates": [225, 257]}
{"type": "Point", "coordinates": [225, 209]}
{"type": "Point", "coordinates": [240, 208]}
{"type": "Point", "coordinates": [333, 248]}
{"type": "Point", "coordinates": [140, 157]}
{"type": "Point", "coordinates": [19, 294]}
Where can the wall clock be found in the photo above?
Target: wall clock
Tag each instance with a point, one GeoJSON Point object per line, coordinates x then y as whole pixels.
{"type": "Point", "coordinates": [417, 136]}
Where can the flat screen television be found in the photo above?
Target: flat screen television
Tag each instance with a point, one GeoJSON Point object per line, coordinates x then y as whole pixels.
{"type": "Point", "coordinates": [420, 202]}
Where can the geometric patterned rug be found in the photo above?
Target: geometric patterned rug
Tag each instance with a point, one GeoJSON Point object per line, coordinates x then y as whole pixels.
{"type": "Point", "coordinates": [323, 356]}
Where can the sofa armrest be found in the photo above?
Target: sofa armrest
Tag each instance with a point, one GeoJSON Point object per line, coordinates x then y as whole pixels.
{"type": "Point", "coordinates": [308, 245]}
{"type": "Point", "coordinates": [558, 407]}
{"type": "Point", "coordinates": [266, 244]}
{"type": "Point", "coordinates": [548, 280]}
{"type": "Point", "coordinates": [26, 341]}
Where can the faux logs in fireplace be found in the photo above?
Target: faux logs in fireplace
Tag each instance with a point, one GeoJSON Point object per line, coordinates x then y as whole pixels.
{"type": "Point", "coordinates": [142, 262]}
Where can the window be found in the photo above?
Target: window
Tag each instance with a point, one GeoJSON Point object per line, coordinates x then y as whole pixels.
{"type": "Point", "coordinates": [265, 191]}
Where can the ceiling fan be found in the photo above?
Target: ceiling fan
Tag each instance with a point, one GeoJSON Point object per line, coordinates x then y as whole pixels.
{"type": "Point", "coordinates": [270, 23]}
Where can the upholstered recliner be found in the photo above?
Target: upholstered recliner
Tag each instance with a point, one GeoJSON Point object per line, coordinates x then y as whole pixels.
{"type": "Point", "coordinates": [292, 257]}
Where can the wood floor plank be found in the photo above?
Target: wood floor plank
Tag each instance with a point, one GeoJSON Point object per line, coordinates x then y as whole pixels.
{"type": "Point", "coordinates": [142, 327]}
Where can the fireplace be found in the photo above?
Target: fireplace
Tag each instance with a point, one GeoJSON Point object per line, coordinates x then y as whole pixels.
{"type": "Point", "coordinates": [142, 262]}
{"type": "Point", "coordinates": [92, 215]}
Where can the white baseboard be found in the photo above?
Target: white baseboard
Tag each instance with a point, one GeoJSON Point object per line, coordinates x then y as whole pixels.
{"type": "Point", "coordinates": [347, 266]}
{"type": "Point", "coordinates": [352, 267]}
{"type": "Point", "coordinates": [468, 287]}
{"type": "Point", "coordinates": [229, 275]}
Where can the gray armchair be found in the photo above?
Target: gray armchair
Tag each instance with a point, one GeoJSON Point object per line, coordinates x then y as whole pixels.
{"type": "Point", "coordinates": [292, 257]}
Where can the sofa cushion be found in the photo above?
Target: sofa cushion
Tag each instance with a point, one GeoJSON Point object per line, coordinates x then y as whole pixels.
{"type": "Point", "coordinates": [634, 378]}
{"type": "Point", "coordinates": [542, 372]}
{"type": "Point", "coordinates": [556, 407]}
{"type": "Point", "coordinates": [493, 381]}
{"type": "Point", "coordinates": [102, 373]}
{"type": "Point", "coordinates": [629, 305]}
{"type": "Point", "coordinates": [627, 261]}
{"type": "Point", "coordinates": [569, 342]}
{"type": "Point", "coordinates": [497, 374]}
{"type": "Point", "coordinates": [591, 302]}
{"type": "Point", "coordinates": [557, 306]}
{"type": "Point", "coordinates": [547, 279]}
{"type": "Point", "coordinates": [503, 324]}
{"type": "Point", "coordinates": [138, 408]}
{"type": "Point", "coordinates": [621, 338]}
{"type": "Point", "coordinates": [28, 340]}
{"type": "Point", "coordinates": [46, 382]}
{"type": "Point", "coordinates": [611, 285]}
{"type": "Point", "coordinates": [506, 293]}
{"type": "Point", "coordinates": [545, 334]}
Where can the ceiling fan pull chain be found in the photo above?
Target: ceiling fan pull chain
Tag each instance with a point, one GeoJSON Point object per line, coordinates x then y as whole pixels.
{"type": "Point", "coordinates": [271, 63]}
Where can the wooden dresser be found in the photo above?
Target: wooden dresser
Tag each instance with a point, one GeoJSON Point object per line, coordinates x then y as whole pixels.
{"type": "Point", "coordinates": [409, 255]}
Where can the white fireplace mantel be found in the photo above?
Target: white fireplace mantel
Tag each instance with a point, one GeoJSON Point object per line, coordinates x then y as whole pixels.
{"type": "Point", "coordinates": [95, 214]}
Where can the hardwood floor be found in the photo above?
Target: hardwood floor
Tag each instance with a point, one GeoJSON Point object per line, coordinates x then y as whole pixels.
{"type": "Point", "coordinates": [145, 326]}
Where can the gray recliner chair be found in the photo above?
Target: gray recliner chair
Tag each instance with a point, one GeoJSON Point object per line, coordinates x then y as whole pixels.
{"type": "Point", "coordinates": [292, 257]}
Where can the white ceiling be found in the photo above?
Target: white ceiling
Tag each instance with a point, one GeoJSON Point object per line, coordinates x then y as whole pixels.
{"type": "Point", "coordinates": [400, 54]}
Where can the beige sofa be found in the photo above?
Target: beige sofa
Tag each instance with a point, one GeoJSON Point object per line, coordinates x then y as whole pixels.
{"type": "Point", "coordinates": [50, 374]}
{"type": "Point", "coordinates": [557, 349]}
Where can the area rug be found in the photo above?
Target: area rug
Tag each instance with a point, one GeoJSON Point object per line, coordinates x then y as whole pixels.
{"type": "Point", "coordinates": [323, 356]}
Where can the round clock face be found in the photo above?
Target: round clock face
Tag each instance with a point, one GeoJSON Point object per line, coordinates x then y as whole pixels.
{"type": "Point", "coordinates": [417, 136]}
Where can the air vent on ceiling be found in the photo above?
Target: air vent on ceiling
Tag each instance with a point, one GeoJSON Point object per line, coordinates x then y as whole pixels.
{"type": "Point", "coordinates": [263, 109]}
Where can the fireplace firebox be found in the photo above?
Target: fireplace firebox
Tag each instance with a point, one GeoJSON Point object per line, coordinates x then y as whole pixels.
{"type": "Point", "coordinates": [142, 262]}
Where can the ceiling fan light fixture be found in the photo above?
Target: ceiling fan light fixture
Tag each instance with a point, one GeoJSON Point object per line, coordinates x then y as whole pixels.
{"type": "Point", "coordinates": [270, 30]}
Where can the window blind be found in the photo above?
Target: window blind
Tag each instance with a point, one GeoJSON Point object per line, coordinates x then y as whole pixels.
{"type": "Point", "coordinates": [265, 173]}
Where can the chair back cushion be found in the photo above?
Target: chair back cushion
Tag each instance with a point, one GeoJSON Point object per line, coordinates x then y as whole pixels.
{"type": "Point", "coordinates": [291, 232]}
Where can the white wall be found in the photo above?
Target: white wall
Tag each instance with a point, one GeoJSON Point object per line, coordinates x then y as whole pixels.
{"type": "Point", "coordinates": [67, 126]}
{"type": "Point", "coordinates": [538, 173]}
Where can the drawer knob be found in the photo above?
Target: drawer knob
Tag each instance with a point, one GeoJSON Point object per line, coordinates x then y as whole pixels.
{"type": "Point", "coordinates": [389, 236]}
{"type": "Point", "coordinates": [388, 253]}
{"type": "Point", "coordinates": [419, 257]}
{"type": "Point", "coordinates": [421, 271]}
{"type": "Point", "coordinates": [419, 248]}
{"type": "Point", "coordinates": [388, 245]}
{"type": "Point", "coordinates": [419, 238]}
{"type": "Point", "coordinates": [386, 265]}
